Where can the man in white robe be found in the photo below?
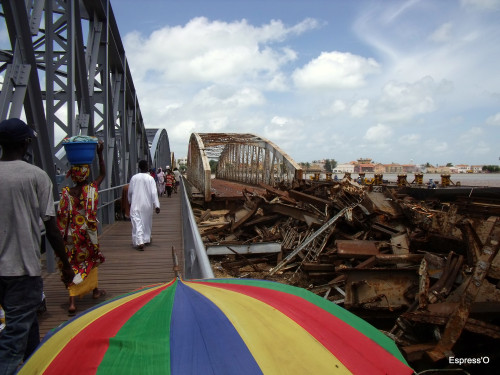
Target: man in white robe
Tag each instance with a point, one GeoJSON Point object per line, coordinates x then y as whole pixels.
{"type": "Point", "coordinates": [143, 198]}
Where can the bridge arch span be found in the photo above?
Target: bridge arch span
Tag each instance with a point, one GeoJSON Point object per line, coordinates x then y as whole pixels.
{"type": "Point", "coordinates": [159, 148]}
{"type": "Point", "coordinates": [242, 157]}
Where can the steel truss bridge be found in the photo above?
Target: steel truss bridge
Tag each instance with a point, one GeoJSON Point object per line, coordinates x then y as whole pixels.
{"type": "Point", "coordinates": [65, 72]}
{"type": "Point", "coordinates": [245, 158]}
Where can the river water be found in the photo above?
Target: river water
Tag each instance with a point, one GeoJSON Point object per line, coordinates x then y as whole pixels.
{"type": "Point", "coordinates": [465, 179]}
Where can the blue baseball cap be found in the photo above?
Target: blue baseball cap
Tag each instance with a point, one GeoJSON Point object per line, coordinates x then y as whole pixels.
{"type": "Point", "coordinates": [15, 130]}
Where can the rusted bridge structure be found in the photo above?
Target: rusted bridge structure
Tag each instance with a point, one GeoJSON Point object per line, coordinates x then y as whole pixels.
{"type": "Point", "coordinates": [241, 157]}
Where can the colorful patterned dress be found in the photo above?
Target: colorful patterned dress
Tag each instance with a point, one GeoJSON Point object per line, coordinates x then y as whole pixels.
{"type": "Point", "coordinates": [77, 221]}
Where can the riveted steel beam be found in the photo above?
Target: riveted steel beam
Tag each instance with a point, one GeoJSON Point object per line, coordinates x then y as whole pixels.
{"type": "Point", "coordinates": [66, 73]}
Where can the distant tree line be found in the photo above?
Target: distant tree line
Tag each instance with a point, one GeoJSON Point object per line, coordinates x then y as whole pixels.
{"type": "Point", "coordinates": [329, 166]}
{"type": "Point", "coordinates": [491, 168]}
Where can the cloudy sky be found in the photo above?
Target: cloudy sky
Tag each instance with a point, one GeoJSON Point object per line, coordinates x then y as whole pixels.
{"type": "Point", "coordinates": [395, 81]}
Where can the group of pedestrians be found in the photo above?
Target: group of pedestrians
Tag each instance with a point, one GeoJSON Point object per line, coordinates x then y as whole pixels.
{"type": "Point", "coordinates": [26, 198]}
{"type": "Point", "coordinates": [167, 181]}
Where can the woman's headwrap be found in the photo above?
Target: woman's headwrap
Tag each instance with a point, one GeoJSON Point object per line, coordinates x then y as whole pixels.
{"type": "Point", "coordinates": [79, 173]}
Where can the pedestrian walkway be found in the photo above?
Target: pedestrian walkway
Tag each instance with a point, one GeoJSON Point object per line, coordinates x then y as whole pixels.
{"type": "Point", "coordinates": [126, 268]}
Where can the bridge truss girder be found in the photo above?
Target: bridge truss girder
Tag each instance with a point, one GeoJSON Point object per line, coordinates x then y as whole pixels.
{"type": "Point", "coordinates": [245, 158]}
{"type": "Point", "coordinates": [160, 149]}
{"type": "Point", "coordinates": [66, 73]}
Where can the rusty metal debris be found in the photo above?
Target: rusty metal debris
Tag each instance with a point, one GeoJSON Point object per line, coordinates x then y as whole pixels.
{"type": "Point", "coordinates": [425, 272]}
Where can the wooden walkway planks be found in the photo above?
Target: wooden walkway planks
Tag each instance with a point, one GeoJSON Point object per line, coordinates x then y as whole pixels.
{"type": "Point", "coordinates": [126, 268]}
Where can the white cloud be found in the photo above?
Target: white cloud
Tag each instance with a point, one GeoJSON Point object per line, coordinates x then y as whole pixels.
{"type": "Point", "coordinates": [280, 121]}
{"type": "Point", "coordinates": [465, 55]}
{"type": "Point", "coordinates": [182, 130]}
{"type": "Point", "coordinates": [410, 139]}
{"type": "Point", "coordinates": [285, 132]}
{"type": "Point", "coordinates": [278, 83]}
{"type": "Point", "coordinates": [472, 143]}
{"type": "Point", "coordinates": [204, 50]}
{"type": "Point", "coordinates": [443, 33]}
{"type": "Point", "coordinates": [434, 148]}
{"type": "Point", "coordinates": [379, 134]}
{"type": "Point", "coordinates": [226, 97]}
{"type": "Point", "coordinates": [482, 4]}
{"type": "Point", "coordinates": [209, 76]}
{"type": "Point", "coordinates": [335, 70]}
{"type": "Point", "coordinates": [494, 120]}
{"type": "Point", "coordinates": [356, 109]}
{"type": "Point", "coordinates": [359, 108]}
{"type": "Point", "coordinates": [401, 101]}
{"type": "Point", "coordinates": [420, 72]}
{"type": "Point", "coordinates": [471, 135]}
{"type": "Point", "coordinates": [338, 106]}
{"type": "Point", "coordinates": [400, 8]}
{"type": "Point", "coordinates": [218, 124]}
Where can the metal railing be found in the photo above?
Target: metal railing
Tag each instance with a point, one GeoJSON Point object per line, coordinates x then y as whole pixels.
{"type": "Point", "coordinates": [196, 263]}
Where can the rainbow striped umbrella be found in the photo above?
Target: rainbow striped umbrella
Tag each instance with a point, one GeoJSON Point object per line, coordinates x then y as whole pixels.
{"type": "Point", "coordinates": [217, 326]}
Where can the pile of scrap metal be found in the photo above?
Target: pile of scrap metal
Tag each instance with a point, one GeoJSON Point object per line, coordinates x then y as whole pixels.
{"type": "Point", "coordinates": [425, 272]}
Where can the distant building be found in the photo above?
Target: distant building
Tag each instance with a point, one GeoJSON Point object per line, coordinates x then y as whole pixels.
{"type": "Point", "coordinates": [461, 168]}
{"type": "Point", "coordinates": [379, 168]}
{"type": "Point", "coordinates": [438, 170]}
{"type": "Point", "coordinates": [410, 168]}
{"type": "Point", "coordinates": [393, 168]}
{"type": "Point", "coordinates": [364, 168]}
{"type": "Point", "coordinates": [316, 167]}
{"type": "Point", "coordinates": [476, 168]}
{"type": "Point", "coordinates": [345, 167]}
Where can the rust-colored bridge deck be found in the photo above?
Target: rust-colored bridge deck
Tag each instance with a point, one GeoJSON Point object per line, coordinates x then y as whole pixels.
{"type": "Point", "coordinates": [126, 268]}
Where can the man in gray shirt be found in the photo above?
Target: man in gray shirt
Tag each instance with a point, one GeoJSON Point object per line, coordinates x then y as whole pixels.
{"type": "Point", "coordinates": [25, 198]}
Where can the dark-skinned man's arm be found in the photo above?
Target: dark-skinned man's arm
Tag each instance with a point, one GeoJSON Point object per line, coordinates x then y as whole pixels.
{"type": "Point", "coordinates": [54, 236]}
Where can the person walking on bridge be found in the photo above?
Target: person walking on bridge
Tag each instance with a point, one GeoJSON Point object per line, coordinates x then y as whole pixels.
{"type": "Point", "coordinates": [77, 221]}
{"type": "Point", "coordinates": [143, 198]}
{"type": "Point", "coordinates": [169, 182]}
{"type": "Point", "coordinates": [161, 182]}
{"type": "Point", "coordinates": [26, 196]}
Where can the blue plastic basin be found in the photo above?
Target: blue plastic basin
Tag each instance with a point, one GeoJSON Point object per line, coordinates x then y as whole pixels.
{"type": "Point", "coordinates": [80, 152]}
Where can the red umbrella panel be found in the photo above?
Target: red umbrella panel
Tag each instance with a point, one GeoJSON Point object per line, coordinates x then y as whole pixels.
{"type": "Point", "coordinates": [217, 326]}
